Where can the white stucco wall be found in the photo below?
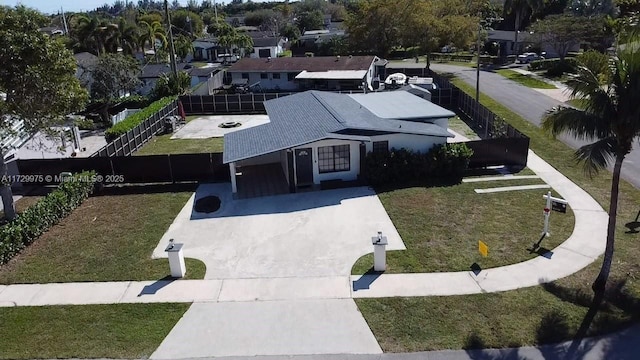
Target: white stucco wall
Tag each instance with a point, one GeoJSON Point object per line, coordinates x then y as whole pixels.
{"type": "Point", "coordinates": [354, 166]}
{"type": "Point", "coordinates": [410, 142]}
{"type": "Point", "coordinates": [270, 83]}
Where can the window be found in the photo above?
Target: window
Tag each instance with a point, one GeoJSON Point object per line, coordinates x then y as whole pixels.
{"type": "Point", "coordinates": [334, 158]}
{"type": "Point", "coordinates": [380, 147]}
{"type": "Point", "coordinates": [263, 76]}
{"type": "Point", "coordinates": [245, 75]}
{"type": "Point", "coordinates": [276, 75]}
{"type": "Point", "coordinates": [291, 76]}
{"type": "Point", "coordinates": [264, 53]}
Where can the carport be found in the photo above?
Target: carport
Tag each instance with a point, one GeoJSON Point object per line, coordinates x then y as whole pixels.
{"type": "Point", "coordinates": [260, 180]}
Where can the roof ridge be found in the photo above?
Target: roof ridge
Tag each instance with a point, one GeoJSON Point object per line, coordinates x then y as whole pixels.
{"type": "Point", "coordinates": [329, 108]}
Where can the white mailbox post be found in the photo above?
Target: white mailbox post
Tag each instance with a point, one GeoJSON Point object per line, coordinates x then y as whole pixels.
{"type": "Point", "coordinates": [176, 259]}
{"type": "Point", "coordinates": [379, 252]}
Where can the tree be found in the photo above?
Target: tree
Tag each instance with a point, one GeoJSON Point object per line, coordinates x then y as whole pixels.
{"type": "Point", "coordinates": [265, 19]}
{"type": "Point", "coordinates": [610, 118]}
{"type": "Point", "coordinates": [562, 32]}
{"type": "Point", "coordinates": [590, 7]}
{"type": "Point", "coordinates": [113, 76]}
{"type": "Point", "coordinates": [38, 77]}
{"type": "Point", "coordinates": [187, 22]}
{"type": "Point", "coordinates": [184, 46]}
{"type": "Point", "coordinates": [229, 37]}
{"type": "Point", "coordinates": [151, 32]}
{"type": "Point", "coordinates": [169, 85]}
{"type": "Point", "coordinates": [126, 37]}
{"type": "Point", "coordinates": [290, 31]}
{"type": "Point", "coordinates": [523, 10]}
{"type": "Point", "coordinates": [309, 20]}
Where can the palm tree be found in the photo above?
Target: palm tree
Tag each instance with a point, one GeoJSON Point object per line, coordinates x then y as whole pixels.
{"type": "Point", "coordinates": [612, 118]}
{"type": "Point", "coordinates": [151, 32]}
{"type": "Point", "coordinates": [523, 10]}
{"type": "Point", "coordinates": [126, 38]}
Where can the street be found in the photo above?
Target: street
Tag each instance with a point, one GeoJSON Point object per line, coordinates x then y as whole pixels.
{"type": "Point", "coordinates": [531, 105]}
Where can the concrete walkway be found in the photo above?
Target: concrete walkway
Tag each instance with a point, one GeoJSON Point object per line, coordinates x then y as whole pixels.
{"type": "Point", "coordinates": [584, 246]}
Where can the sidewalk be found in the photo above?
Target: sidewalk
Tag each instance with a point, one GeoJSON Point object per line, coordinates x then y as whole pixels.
{"type": "Point", "coordinates": [584, 246]}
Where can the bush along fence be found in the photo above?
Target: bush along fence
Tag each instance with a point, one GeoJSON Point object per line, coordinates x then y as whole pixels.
{"type": "Point", "coordinates": [129, 135]}
{"type": "Point", "coordinates": [37, 219]}
{"type": "Point", "coordinates": [444, 162]}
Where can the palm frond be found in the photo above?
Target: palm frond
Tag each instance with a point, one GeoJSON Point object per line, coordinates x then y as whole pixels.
{"type": "Point", "coordinates": [596, 156]}
{"type": "Point", "coordinates": [580, 124]}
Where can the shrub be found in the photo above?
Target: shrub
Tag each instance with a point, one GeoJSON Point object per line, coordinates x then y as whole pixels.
{"type": "Point", "coordinates": [539, 65]}
{"type": "Point", "coordinates": [442, 161]}
{"type": "Point", "coordinates": [561, 67]}
{"type": "Point", "coordinates": [135, 119]}
{"type": "Point", "coordinates": [37, 219]}
{"type": "Point", "coordinates": [84, 124]}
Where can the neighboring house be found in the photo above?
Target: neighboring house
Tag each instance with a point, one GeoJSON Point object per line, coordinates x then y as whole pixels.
{"type": "Point", "coordinates": [506, 40]}
{"type": "Point", "coordinates": [52, 30]}
{"type": "Point", "coordinates": [310, 41]}
{"type": "Point", "coordinates": [314, 136]}
{"type": "Point", "coordinates": [235, 21]}
{"type": "Point", "coordinates": [265, 46]}
{"type": "Point", "coordinates": [85, 64]}
{"type": "Point", "coordinates": [213, 76]}
{"type": "Point", "coordinates": [208, 49]}
{"type": "Point", "coordinates": [150, 74]}
{"type": "Point", "coordinates": [305, 73]}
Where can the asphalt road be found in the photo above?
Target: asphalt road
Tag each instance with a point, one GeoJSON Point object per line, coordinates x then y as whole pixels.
{"type": "Point", "coordinates": [531, 105]}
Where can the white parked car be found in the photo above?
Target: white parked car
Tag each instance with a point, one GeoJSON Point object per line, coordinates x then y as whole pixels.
{"type": "Point", "coordinates": [528, 57]}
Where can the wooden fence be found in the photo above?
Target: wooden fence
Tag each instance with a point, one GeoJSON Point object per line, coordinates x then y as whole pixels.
{"type": "Point", "coordinates": [206, 167]}
{"type": "Point", "coordinates": [133, 139]}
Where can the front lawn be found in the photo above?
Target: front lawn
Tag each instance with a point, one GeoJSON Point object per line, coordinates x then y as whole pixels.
{"type": "Point", "coordinates": [534, 315]}
{"type": "Point", "coordinates": [441, 226]}
{"type": "Point", "coordinates": [110, 237]}
{"type": "Point", "coordinates": [88, 331]}
{"type": "Point", "coordinates": [528, 81]}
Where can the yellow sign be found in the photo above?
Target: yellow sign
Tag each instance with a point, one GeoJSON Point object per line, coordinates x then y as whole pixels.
{"type": "Point", "coordinates": [483, 248]}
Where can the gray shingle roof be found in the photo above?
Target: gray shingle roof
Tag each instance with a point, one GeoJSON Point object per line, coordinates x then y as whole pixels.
{"type": "Point", "coordinates": [314, 115]}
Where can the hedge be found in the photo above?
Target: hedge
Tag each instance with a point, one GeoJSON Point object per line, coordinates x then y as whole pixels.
{"type": "Point", "coordinates": [547, 64]}
{"type": "Point", "coordinates": [135, 119]}
{"type": "Point", "coordinates": [37, 219]}
{"type": "Point", "coordinates": [448, 161]}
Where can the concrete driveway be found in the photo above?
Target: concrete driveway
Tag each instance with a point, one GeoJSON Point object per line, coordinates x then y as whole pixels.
{"type": "Point", "coordinates": [269, 251]}
{"type": "Point", "coordinates": [319, 233]}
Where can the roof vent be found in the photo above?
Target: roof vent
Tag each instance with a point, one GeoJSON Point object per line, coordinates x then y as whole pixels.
{"type": "Point", "coordinates": [338, 58]}
{"type": "Point", "coordinates": [350, 56]}
{"type": "Point", "coordinates": [269, 59]}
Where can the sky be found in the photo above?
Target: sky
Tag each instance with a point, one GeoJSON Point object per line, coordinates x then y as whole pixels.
{"type": "Point", "coordinates": [53, 6]}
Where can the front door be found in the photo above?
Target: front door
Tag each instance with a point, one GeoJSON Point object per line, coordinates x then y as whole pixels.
{"type": "Point", "coordinates": [304, 167]}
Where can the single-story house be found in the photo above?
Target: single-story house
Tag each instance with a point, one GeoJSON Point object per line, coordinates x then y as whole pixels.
{"type": "Point", "coordinates": [150, 74]}
{"type": "Point", "coordinates": [306, 73]}
{"type": "Point", "coordinates": [269, 46]}
{"type": "Point", "coordinates": [85, 64]}
{"type": "Point", "coordinates": [311, 40]}
{"type": "Point", "coordinates": [506, 40]}
{"type": "Point", "coordinates": [315, 136]}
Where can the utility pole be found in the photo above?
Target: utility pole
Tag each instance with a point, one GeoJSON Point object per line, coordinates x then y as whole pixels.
{"type": "Point", "coordinates": [64, 21]}
{"type": "Point", "coordinates": [172, 50]}
{"type": "Point", "coordinates": [486, 124]}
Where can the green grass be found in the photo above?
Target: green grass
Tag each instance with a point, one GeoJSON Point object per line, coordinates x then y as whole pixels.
{"type": "Point", "coordinates": [458, 125]}
{"type": "Point", "coordinates": [525, 80]}
{"type": "Point", "coordinates": [163, 144]}
{"type": "Point", "coordinates": [446, 239]}
{"type": "Point", "coordinates": [535, 315]}
{"type": "Point", "coordinates": [578, 103]}
{"type": "Point", "coordinates": [88, 331]}
{"type": "Point", "coordinates": [107, 238]}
